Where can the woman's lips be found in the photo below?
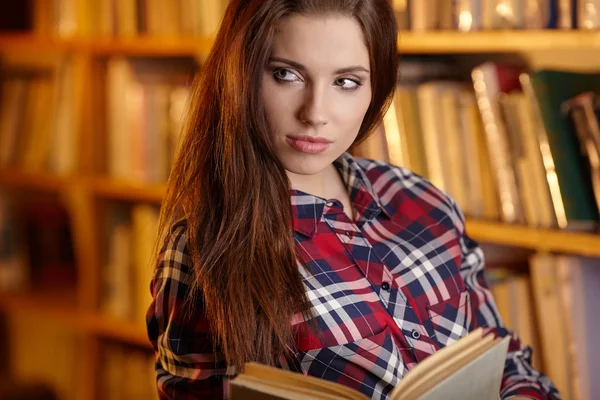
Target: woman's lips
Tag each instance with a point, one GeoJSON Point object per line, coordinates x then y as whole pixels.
{"type": "Point", "coordinates": [308, 144]}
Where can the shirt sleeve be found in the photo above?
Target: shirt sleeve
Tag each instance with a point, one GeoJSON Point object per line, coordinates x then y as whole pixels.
{"type": "Point", "coordinates": [187, 366]}
{"type": "Point", "coordinates": [520, 378]}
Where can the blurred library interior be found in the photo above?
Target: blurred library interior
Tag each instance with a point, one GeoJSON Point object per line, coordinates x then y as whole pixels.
{"type": "Point", "coordinates": [498, 104]}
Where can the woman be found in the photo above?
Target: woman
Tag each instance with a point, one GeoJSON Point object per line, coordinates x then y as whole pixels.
{"type": "Point", "coordinates": [280, 247]}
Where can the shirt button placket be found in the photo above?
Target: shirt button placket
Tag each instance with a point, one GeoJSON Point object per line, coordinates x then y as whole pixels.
{"type": "Point", "coordinates": [384, 295]}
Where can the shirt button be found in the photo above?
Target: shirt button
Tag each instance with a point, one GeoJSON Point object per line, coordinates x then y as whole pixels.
{"type": "Point", "coordinates": [415, 334]}
{"type": "Point", "coordinates": [385, 286]}
{"type": "Point", "coordinates": [329, 203]}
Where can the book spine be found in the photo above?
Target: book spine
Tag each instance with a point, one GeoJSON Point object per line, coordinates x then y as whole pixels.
{"type": "Point", "coordinates": [532, 14]}
{"type": "Point", "coordinates": [581, 110]}
{"type": "Point", "coordinates": [552, 14]}
{"type": "Point", "coordinates": [401, 11]}
{"type": "Point", "coordinates": [423, 15]}
{"type": "Point", "coordinates": [588, 14]}
{"type": "Point", "coordinates": [467, 15]}
{"type": "Point", "coordinates": [565, 14]}
{"type": "Point", "coordinates": [510, 105]}
{"type": "Point", "coordinates": [547, 158]}
{"type": "Point", "coordinates": [429, 110]}
{"type": "Point", "coordinates": [572, 193]}
{"type": "Point", "coordinates": [506, 14]}
{"type": "Point", "coordinates": [485, 81]}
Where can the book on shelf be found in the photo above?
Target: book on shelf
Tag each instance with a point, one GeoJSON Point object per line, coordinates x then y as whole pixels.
{"type": "Point", "coordinates": [566, 298]}
{"type": "Point", "coordinates": [567, 171]}
{"type": "Point", "coordinates": [127, 267]}
{"type": "Point", "coordinates": [502, 142]}
{"type": "Point", "coordinates": [475, 15]}
{"type": "Point", "coordinates": [127, 18]}
{"type": "Point", "coordinates": [189, 18]}
{"type": "Point", "coordinates": [491, 81]}
{"type": "Point", "coordinates": [121, 366]}
{"type": "Point", "coordinates": [14, 274]}
{"type": "Point", "coordinates": [40, 113]}
{"type": "Point", "coordinates": [513, 295]}
{"type": "Point", "coordinates": [584, 110]}
{"type": "Point", "coordinates": [470, 368]}
{"type": "Point", "coordinates": [146, 100]}
{"type": "Point", "coordinates": [36, 246]}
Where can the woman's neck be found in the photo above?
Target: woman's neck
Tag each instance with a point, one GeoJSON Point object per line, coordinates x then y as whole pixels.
{"type": "Point", "coordinates": [327, 184]}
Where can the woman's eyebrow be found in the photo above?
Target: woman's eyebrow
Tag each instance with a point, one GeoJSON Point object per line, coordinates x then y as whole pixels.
{"type": "Point", "coordinates": [300, 67]}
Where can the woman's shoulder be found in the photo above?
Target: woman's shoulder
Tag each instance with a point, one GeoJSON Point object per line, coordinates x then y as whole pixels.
{"type": "Point", "coordinates": [177, 235]}
{"type": "Point", "coordinates": [395, 184]}
{"type": "Point", "coordinates": [174, 254]}
{"type": "Point", "coordinates": [382, 174]}
{"type": "Point", "coordinates": [382, 168]}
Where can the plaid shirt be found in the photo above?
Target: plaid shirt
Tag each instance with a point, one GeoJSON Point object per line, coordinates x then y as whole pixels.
{"type": "Point", "coordinates": [389, 289]}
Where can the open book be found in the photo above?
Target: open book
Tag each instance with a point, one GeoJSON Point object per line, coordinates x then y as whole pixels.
{"type": "Point", "coordinates": [470, 368]}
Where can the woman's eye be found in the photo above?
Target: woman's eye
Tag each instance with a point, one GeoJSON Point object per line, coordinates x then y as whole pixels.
{"type": "Point", "coordinates": [347, 83]}
{"type": "Point", "coordinates": [282, 74]}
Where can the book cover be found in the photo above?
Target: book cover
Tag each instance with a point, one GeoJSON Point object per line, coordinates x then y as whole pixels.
{"type": "Point", "coordinates": [572, 192]}
{"type": "Point", "coordinates": [470, 368]}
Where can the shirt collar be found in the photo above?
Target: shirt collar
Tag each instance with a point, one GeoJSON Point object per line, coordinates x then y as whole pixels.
{"type": "Point", "coordinates": [307, 209]}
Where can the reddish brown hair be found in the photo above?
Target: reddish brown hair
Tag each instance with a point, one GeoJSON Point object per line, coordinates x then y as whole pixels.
{"type": "Point", "coordinates": [232, 189]}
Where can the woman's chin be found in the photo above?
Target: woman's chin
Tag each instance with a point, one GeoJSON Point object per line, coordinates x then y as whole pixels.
{"type": "Point", "coordinates": [306, 165]}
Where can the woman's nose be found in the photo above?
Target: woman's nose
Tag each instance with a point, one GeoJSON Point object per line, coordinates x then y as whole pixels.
{"type": "Point", "coordinates": [313, 111]}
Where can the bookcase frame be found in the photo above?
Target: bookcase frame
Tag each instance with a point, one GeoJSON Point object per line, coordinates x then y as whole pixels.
{"type": "Point", "coordinates": [82, 190]}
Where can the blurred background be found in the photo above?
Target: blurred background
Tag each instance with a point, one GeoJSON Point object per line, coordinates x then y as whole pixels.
{"type": "Point", "coordinates": [497, 104]}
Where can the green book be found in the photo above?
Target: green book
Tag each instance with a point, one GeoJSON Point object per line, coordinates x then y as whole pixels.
{"type": "Point", "coordinates": [573, 196]}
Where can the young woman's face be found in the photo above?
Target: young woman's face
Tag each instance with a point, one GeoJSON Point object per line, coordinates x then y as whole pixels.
{"type": "Point", "coordinates": [316, 90]}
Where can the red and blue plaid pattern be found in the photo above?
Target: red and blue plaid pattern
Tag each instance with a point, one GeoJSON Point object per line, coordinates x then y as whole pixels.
{"type": "Point", "coordinates": [388, 289]}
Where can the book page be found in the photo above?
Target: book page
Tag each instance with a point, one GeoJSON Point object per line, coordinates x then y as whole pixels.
{"type": "Point", "coordinates": [252, 388]}
{"type": "Point", "coordinates": [297, 382]}
{"type": "Point", "coordinates": [480, 379]}
{"type": "Point", "coordinates": [442, 356]}
{"type": "Point", "coordinates": [445, 369]}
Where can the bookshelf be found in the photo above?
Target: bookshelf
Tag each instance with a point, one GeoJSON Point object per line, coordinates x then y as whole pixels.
{"type": "Point", "coordinates": [543, 240]}
{"type": "Point", "coordinates": [86, 188]}
{"type": "Point", "coordinates": [435, 42]}
{"type": "Point", "coordinates": [492, 232]}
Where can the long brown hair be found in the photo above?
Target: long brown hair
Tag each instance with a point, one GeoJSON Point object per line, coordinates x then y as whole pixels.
{"type": "Point", "coordinates": [233, 191]}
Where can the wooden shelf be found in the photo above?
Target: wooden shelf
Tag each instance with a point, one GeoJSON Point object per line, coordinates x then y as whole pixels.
{"type": "Point", "coordinates": [585, 244]}
{"type": "Point", "coordinates": [33, 43]}
{"type": "Point", "coordinates": [496, 41]}
{"type": "Point", "coordinates": [54, 306]}
{"type": "Point", "coordinates": [111, 189]}
{"type": "Point", "coordinates": [102, 187]}
{"type": "Point", "coordinates": [185, 46]}
{"type": "Point", "coordinates": [114, 329]}
{"type": "Point", "coordinates": [34, 180]}
{"type": "Point", "coordinates": [408, 43]}
{"type": "Point", "coordinates": [140, 46]}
